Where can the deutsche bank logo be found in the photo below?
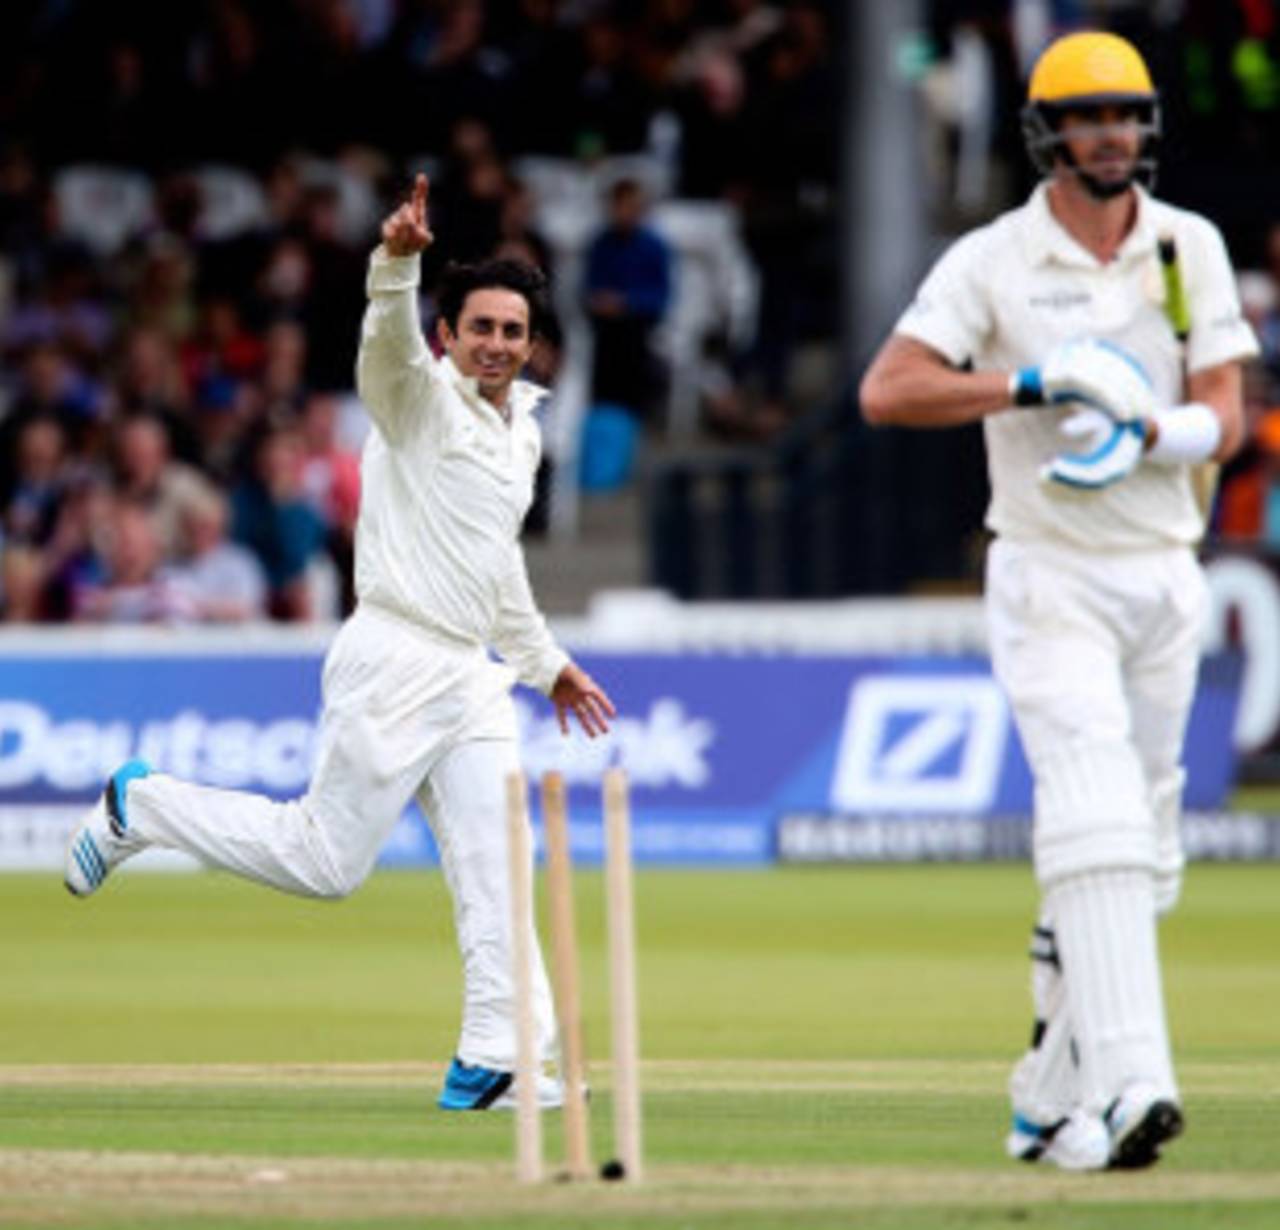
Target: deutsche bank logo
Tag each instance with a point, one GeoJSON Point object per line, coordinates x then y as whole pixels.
{"type": "Point", "coordinates": [921, 743]}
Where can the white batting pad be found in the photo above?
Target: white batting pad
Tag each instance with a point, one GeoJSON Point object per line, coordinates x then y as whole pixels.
{"type": "Point", "coordinates": [1043, 1086]}
{"type": "Point", "coordinates": [1092, 811]}
{"type": "Point", "coordinates": [1106, 929]}
{"type": "Point", "coordinates": [1166, 807]}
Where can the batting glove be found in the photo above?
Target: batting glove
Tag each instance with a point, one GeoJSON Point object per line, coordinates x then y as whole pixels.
{"type": "Point", "coordinates": [1088, 370]}
{"type": "Point", "coordinates": [1105, 452]}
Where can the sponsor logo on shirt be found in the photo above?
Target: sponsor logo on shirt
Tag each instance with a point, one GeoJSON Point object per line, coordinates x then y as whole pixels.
{"type": "Point", "coordinates": [1061, 300]}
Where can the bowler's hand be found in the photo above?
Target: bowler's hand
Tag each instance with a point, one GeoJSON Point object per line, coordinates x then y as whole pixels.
{"type": "Point", "coordinates": [405, 232]}
{"type": "Point", "coordinates": [576, 692]}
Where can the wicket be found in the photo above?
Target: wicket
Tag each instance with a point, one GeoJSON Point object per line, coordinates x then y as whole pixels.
{"type": "Point", "coordinates": [564, 952]}
{"type": "Point", "coordinates": [528, 1122]}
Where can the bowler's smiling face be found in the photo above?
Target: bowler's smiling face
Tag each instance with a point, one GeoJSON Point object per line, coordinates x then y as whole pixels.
{"type": "Point", "coordinates": [493, 341]}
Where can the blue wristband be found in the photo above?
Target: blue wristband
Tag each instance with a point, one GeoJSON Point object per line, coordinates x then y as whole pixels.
{"type": "Point", "coordinates": [1026, 387]}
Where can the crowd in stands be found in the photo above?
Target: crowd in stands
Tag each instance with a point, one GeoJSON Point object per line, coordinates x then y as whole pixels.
{"type": "Point", "coordinates": [188, 194]}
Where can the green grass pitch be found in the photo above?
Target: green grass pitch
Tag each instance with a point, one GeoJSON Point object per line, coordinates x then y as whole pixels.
{"type": "Point", "coordinates": [821, 1048]}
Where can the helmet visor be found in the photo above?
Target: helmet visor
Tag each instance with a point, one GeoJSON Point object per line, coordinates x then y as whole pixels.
{"type": "Point", "coordinates": [1087, 136]}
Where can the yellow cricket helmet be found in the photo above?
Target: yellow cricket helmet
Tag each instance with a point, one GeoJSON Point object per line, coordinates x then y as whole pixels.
{"type": "Point", "coordinates": [1090, 67]}
{"type": "Point", "coordinates": [1079, 72]}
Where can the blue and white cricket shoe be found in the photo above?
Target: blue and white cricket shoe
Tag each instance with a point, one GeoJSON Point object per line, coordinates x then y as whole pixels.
{"type": "Point", "coordinates": [470, 1086]}
{"type": "Point", "coordinates": [103, 841]}
{"type": "Point", "coordinates": [1141, 1120]}
{"type": "Point", "coordinates": [1077, 1142]}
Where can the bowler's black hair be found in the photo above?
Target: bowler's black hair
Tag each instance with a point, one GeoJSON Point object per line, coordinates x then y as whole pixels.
{"type": "Point", "coordinates": [458, 281]}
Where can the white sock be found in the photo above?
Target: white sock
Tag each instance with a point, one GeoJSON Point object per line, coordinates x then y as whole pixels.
{"type": "Point", "coordinates": [1106, 930]}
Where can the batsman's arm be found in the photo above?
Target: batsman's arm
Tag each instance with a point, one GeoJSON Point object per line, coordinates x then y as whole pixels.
{"type": "Point", "coordinates": [1207, 428]}
{"type": "Point", "coordinates": [909, 384]}
{"type": "Point", "coordinates": [1221, 390]}
{"type": "Point", "coordinates": [1202, 303]}
{"type": "Point", "coordinates": [393, 367]}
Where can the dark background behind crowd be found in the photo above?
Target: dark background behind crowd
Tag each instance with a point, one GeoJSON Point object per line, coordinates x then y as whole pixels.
{"type": "Point", "coordinates": [188, 194]}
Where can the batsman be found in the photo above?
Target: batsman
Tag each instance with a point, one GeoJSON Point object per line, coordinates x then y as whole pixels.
{"type": "Point", "coordinates": [413, 703]}
{"type": "Point", "coordinates": [1096, 333]}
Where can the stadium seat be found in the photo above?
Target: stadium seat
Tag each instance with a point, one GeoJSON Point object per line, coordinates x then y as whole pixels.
{"type": "Point", "coordinates": [103, 206]}
{"type": "Point", "coordinates": [232, 202]}
{"type": "Point", "coordinates": [716, 293]}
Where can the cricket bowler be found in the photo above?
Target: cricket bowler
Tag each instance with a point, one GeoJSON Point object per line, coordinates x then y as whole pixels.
{"type": "Point", "coordinates": [414, 706]}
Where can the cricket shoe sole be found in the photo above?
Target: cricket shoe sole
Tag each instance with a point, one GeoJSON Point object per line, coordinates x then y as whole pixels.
{"type": "Point", "coordinates": [1141, 1121]}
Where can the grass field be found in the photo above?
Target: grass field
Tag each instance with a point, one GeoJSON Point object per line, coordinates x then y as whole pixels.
{"type": "Point", "coordinates": [822, 1048]}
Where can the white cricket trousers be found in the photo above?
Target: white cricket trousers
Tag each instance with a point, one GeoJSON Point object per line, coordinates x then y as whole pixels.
{"type": "Point", "coordinates": [1098, 654]}
{"type": "Point", "coordinates": [406, 713]}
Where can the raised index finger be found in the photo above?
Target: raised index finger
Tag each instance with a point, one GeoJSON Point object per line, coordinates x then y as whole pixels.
{"type": "Point", "coordinates": [421, 186]}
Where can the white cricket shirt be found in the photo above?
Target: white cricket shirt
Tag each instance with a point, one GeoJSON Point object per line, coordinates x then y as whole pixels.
{"type": "Point", "coordinates": [1004, 295]}
{"type": "Point", "coordinates": [445, 485]}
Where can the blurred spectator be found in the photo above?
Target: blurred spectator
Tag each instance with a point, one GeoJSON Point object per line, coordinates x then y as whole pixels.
{"type": "Point", "coordinates": [285, 280]}
{"type": "Point", "coordinates": [150, 377]}
{"type": "Point", "coordinates": [330, 476]}
{"type": "Point", "coordinates": [223, 416]}
{"type": "Point", "coordinates": [149, 381]}
{"type": "Point", "coordinates": [220, 581]}
{"type": "Point", "coordinates": [50, 388]}
{"type": "Point", "coordinates": [21, 584]}
{"type": "Point", "coordinates": [148, 477]}
{"type": "Point", "coordinates": [162, 295]}
{"type": "Point", "coordinates": [240, 105]}
{"type": "Point", "coordinates": [73, 559]}
{"type": "Point", "coordinates": [458, 71]}
{"type": "Point", "coordinates": [788, 198]}
{"type": "Point", "coordinates": [543, 49]}
{"type": "Point", "coordinates": [331, 483]}
{"type": "Point", "coordinates": [286, 196]}
{"type": "Point", "coordinates": [518, 234]}
{"type": "Point", "coordinates": [272, 517]}
{"type": "Point", "coordinates": [135, 586]}
{"type": "Point", "coordinates": [627, 290]}
{"type": "Point", "coordinates": [61, 306]}
{"type": "Point", "coordinates": [331, 310]}
{"type": "Point", "coordinates": [468, 194]}
{"type": "Point", "coordinates": [715, 142]}
{"type": "Point", "coordinates": [1248, 506]}
{"type": "Point", "coordinates": [1267, 319]}
{"type": "Point", "coordinates": [608, 105]}
{"type": "Point", "coordinates": [117, 116]}
{"type": "Point", "coordinates": [179, 203]}
{"type": "Point", "coordinates": [220, 346]}
{"type": "Point", "coordinates": [1268, 445]}
{"type": "Point", "coordinates": [29, 507]}
{"type": "Point", "coordinates": [22, 201]}
{"type": "Point", "coordinates": [285, 364]}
